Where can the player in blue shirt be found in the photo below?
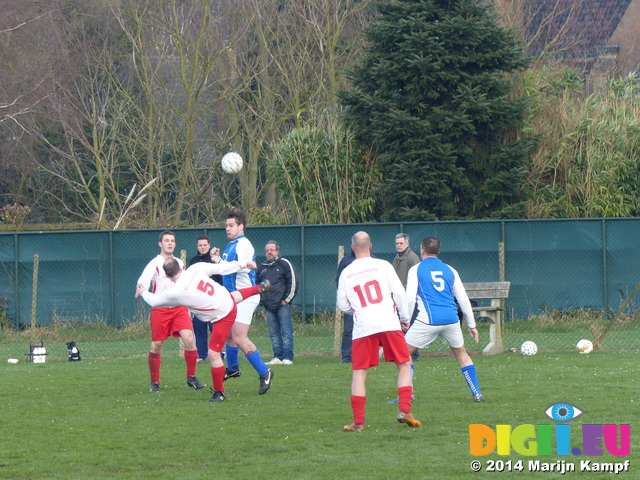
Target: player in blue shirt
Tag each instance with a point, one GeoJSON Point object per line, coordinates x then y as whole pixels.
{"type": "Point", "coordinates": [435, 286]}
{"type": "Point", "coordinates": [239, 248]}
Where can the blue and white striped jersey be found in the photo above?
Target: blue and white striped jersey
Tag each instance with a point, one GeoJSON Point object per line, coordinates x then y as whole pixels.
{"type": "Point", "coordinates": [433, 285]}
{"type": "Point", "coordinates": [241, 250]}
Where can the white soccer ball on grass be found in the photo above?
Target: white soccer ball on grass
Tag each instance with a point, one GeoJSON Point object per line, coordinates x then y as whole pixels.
{"type": "Point", "coordinates": [584, 346]}
{"type": "Point", "coordinates": [231, 163]}
{"type": "Point", "coordinates": [529, 348]}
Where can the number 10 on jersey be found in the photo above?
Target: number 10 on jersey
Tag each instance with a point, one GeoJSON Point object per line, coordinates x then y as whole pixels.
{"type": "Point", "coordinates": [370, 290]}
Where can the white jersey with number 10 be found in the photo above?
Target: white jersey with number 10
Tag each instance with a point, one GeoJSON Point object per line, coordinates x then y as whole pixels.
{"type": "Point", "coordinates": [370, 288]}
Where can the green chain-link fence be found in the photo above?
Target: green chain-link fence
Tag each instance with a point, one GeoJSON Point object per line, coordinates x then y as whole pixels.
{"type": "Point", "coordinates": [568, 280]}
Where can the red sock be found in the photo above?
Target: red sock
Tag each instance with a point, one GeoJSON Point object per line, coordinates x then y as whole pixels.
{"type": "Point", "coordinates": [404, 395]}
{"type": "Point", "coordinates": [248, 292]}
{"type": "Point", "coordinates": [191, 358]}
{"type": "Point", "coordinates": [217, 375]}
{"type": "Point", "coordinates": [357, 405]}
{"type": "Point", "coordinates": [154, 361]}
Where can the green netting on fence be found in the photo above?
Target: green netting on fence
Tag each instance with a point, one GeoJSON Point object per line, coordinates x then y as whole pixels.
{"type": "Point", "coordinates": [568, 278]}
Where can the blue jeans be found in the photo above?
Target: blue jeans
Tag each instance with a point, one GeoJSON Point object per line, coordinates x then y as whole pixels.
{"type": "Point", "coordinates": [280, 326]}
{"type": "Point", "coordinates": [201, 332]}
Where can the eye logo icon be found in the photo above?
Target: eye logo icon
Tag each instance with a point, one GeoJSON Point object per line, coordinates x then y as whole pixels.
{"type": "Point", "coordinates": [562, 412]}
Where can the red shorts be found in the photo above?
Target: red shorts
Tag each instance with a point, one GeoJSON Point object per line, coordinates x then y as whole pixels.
{"type": "Point", "coordinates": [166, 322]}
{"type": "Point", "coordinates": [365, 350]}
{"type": "Point", "coordinates": [221, 329]}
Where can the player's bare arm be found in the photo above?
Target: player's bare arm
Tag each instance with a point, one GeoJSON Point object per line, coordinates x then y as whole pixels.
{"type": "Point", "coordinates": [139, 290]}
{"type": "Point", "coordinates": [474, 333]}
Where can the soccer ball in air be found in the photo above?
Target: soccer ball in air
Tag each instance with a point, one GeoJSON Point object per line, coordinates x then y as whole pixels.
{"type": "Point", "coordinates": [231, 163]}
{"type": "Point", "coordinates": [529, 348]}
{"type": "Point", "coordinates": [584, 346]}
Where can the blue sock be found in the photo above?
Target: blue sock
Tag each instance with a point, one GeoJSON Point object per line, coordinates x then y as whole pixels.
{"type": "Point", "coordinates": [233, 363]}
{"type": "Point", "coordinates": [469, 373]}
{"type": "Point", "coordinates": [256, 360]}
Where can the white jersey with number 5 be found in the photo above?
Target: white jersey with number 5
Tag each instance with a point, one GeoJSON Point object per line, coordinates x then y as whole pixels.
{"type": "Point", "coordinates": [370, 288]}
{"type": "Point", "coordinates": [205, 298]}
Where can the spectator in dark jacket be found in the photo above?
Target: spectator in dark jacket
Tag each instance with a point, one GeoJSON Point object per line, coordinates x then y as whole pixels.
{"type": "Point", "coordinates": [347, 318]}
{"type": "Point", "coordinates": [277, 302]}
{"type": "Point", "coordinates": [201, 329]}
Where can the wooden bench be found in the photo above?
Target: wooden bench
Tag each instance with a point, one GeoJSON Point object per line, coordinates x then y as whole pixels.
{"type": "Point", "coordinates": [496, 292]}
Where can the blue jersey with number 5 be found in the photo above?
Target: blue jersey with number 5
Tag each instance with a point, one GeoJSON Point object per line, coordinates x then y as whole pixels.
{"type": "Point", "coordinates": [435, 298]}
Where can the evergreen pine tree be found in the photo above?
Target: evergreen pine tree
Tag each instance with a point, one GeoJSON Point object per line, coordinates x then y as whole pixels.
{"type": "Point", "coordinates": [432, 95]}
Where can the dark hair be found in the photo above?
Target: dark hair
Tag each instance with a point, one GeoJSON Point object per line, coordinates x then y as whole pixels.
{"type": "Point", "coordinates": [238, 215]}
{"type": "Point", "coordinates": [165, 233]}
{"type": "Point", "coordinates": [171, 267]}
{"type": "Point", "coordinates": [431, 246]}
{"type": "Point", "coordinates": [204, 237]}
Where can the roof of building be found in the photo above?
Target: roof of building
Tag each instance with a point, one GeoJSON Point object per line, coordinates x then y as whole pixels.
{"type": "Point", "coordinates": [572, 29]}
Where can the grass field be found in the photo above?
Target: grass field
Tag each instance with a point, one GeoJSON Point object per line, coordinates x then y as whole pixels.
{"type": "Point", "coordinates": [95, 419]}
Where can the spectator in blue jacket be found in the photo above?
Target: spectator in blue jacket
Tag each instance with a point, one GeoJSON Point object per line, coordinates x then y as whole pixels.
{"type": "Point", "coordinates": [277, 302]}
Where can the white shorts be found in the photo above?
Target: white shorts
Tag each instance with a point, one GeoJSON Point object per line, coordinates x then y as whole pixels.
{"type": "Point", "coordinates": [420, 334]}
{"type": "Point", "coordinates": [246, 309]}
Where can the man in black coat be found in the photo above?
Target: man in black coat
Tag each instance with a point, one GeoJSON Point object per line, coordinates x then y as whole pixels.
{"type": "Point", "coordinates": [347, 318]}
{"type": "Point", "coordinates": [201, 329]}
{"type": "Point", "coordinates": [277, 302]}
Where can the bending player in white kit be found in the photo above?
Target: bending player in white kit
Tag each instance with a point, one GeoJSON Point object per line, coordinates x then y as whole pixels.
{"type": "Point", "coordinates": [210, 301]}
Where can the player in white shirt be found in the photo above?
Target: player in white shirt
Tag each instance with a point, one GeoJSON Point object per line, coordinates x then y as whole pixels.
{"type": "Point", "coordinates": [371, 290]}
{"type": "Point", "coordinates": [167, 322]}
{"type": "Point", "coordinates": [210, 301]}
